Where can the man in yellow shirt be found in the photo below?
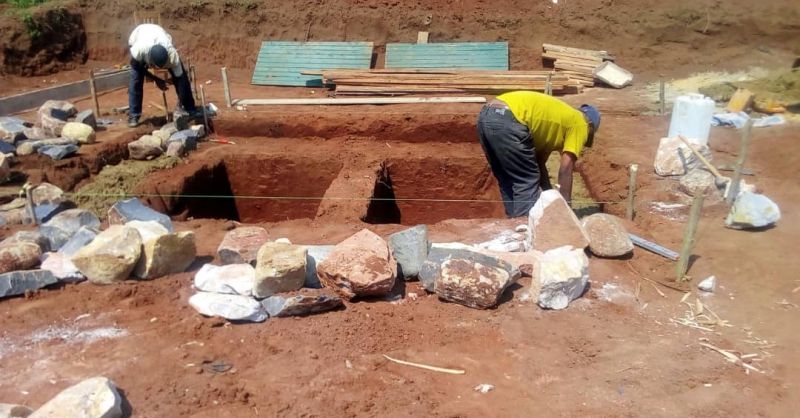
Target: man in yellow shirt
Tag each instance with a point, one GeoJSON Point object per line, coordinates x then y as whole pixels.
{"type": "Point", "coordinates": [519, 130]}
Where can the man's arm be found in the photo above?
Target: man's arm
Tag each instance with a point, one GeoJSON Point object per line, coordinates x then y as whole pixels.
{"type": "Point", "coordinates": [565, 175]}
{"type": "Point", "coordinates": [544, 176]}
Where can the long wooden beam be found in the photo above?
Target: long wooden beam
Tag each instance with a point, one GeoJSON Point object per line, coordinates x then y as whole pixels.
{"type": "Point", "coordinates": [33, 99]}
{"type": "Point", "coordinates": [359, 100]}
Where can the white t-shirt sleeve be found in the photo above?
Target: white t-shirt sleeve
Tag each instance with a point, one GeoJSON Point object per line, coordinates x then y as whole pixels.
{"type": "Point", "coordinates": [175, 62]}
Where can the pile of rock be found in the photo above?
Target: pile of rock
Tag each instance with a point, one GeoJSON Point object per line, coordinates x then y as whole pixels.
{"type": "Point", "coordinates": [259, 279]}
{"type": "Point", "coordinates": [48, 200]}
{"type": "Point", "coordinates": [97, 397]}
{"type": "Point", "coordinates": [58, 132]}
{"type": "Point", "coordinates": [171, 139]}
{"type": "Point", "coordinates": [70, 247]}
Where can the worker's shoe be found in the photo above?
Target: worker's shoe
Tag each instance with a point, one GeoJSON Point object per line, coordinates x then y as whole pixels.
{"type": "Point", "coordinates": [133, 121]}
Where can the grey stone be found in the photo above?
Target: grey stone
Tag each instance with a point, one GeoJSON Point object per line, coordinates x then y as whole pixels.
{"type": "Point", "coordinates": [27, 236]}
{"type": "Point", "coordinates": [53, 115]}
{"type": "Point", "coordinates": [303, 302]}
{"type": "Point", "coordinates": [553, 224]}
{"type": "Point", "coordinates": [5, 168]}
{"type": "Point", "coordinates": [80, 132]}
{"type": "Point", "coordinates": [176, 149]}
{"type": "Point", "coordinates": [87, 117]}
{"type": "Point", "coordinates": [359, 266]}
{"type": "Point", "coordinates": [241, 245]}
{"type": "Point", "coordinates": [92, 398]}
{"type": "Point", "coordinates": [709, 284]}
{"type": "Point", "coordinates": [30, 147]}
{"type": "Point", "coordinates": [46, 193]}
{"type": "Point", "coordinates": [63, 226]}
{"type": "Point", "coordinates": [471, 283]}
{"type": "Point", "coordinates": [7, 148]}
{"type": "Point", "coordinates": [181, 121]}
{"type": "Point", "coordinates": [111, 256]}
{"type": "Point", "coordinates": [234, 279]}
{"type": "Point", "coordinates": [440, 253]}
{"type": "Point", "coordinates": [231, 307]}
{"type": "Point", "coordinates": [752, 210]}
{"type": "Point", "coordinates": [607, 236]}
{"type": "Point", "coordinates": [316, 254]}
{"type": "Point", "coordinates": [133, 209]}
{"type": "Point", "coordinates": [187, 137]}
{"type": "Point", "coordinates": [200, 129]}
{"type": "Point", "coordinates": [35, 133]}
{"type": "Point", "coordinates": [62, 267]}
{"type": "Point", "coordinates": [14, 411]}
{"type": "Point", "coordinates": [18, 282]}
{"type": "Point", "coordinates": [58, 152]}
{"type": "Point", "coordinates": [170, 128]}
{"type": "Point", "coordinates": [148, 230]}
{"type": "Point", "coordinates": [81, 238]}
{"type": "Point", "coordinates": [145, 148]}
{"type": "Point", "coordinates": [13, 217]}
{"type": "Point", "coordinates": [563, 276]}
{"type": "Point", "coordinates": [11, 129]}
{"type": "Point", "coordinates": [280, 267]}
{"type": "Point", "coordinates": [410, 248]}
{"type": "Point", "coordinates": [673, 157]}
{"type": "Point", "coordinates": [698, 182]}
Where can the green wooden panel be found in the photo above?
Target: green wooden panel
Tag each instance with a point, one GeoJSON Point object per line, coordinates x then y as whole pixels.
{"type": "Point", "coordinates": [279, 63]}
{"type": "Point", "coordinates": [470, 55]}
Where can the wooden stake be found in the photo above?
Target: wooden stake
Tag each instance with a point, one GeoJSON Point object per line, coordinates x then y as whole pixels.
{"type": "Point", "coordinates": [632, 170]}
{"type": "Point", "coordinates": [689, 238]}
{"type": "Point", "coordinates": [194, 81]}
{"type": "Point", "coordinates": [548, 87]}
{"type": "Point", "coordinates": [205, 114]}
{"type": "Point", "coordinates": [226, 87]}
{"type": "Point", "coordinates": [29, 203]}
{"type": "Point", "coordinates": [425, 366]}
{"type": "Point", "coordinates": [93, 90]}
{"type": "Point", "coordinates": [661, 94]}
{"type": "Point", "coordinates": [737, 172]}
{"type": "Point", "coordinates": [422, 37]}
{"type": "Point", "coordinates": [166, 106]}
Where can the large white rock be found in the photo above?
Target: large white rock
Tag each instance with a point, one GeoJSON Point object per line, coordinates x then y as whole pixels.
{"type": "Point", "coordinates": [563, 275]}
{"type": "Point", "coordinates": [752, 210]}
{"type": "Point", "coordinates": [111, 256]}
{"type": "Point", "coordinates": [231, 307]}
{"type": "Point", "coordinates": [673, 157]}
{"type": "Point", "coordinates": [553, 224]}
{"type": "Point", "coordinates": [80, 132]}
{"type": "Point", "coordinates": [148, 230]}
{"type": "Point", "coordinates": [280, 267]}
{"type": "Point", "coordinates": [234, 279]}
{"type": "Point", "coordinates": [93, 398]}
{"type": "Point", "coordinates": [62, 267]}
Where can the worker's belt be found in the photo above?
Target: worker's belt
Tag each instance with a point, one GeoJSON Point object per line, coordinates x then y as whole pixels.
{"type": "Point", "coordinates": [497, 104]}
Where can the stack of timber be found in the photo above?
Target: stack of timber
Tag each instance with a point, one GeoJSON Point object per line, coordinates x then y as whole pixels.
{"type": "Point", "coordinates": [579, 64]}
{"type": "Point", "coordinates": [399, 82]}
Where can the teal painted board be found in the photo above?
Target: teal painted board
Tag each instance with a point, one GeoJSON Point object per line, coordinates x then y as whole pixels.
{"type": "Point", "coordinates": [279, 63]}
{"type": "Point", "coordinates": [466, 55]}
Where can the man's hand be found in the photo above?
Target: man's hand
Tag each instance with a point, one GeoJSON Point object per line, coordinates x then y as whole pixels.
{"type": "Point", "coordinates": [161, 84]}
{"type": "Point", "coordinates": [565, 175]}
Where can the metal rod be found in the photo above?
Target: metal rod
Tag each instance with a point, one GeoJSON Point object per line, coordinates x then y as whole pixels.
{"type": "Point", "coordinates": [653, 247]}
{"type": "Point", "coordinates": [738, 171]}
{"type": "Point", "coordinates": [661, 99]}
{"type": "Point", "coordinates": [93, 89]}
{"type": "Point", "coordinates": [632, 170]}
{"type": "Point", "coordinates": [689, 238]}
{"type": "Point", "coordinates": [226, 87]}
{"type": "Point", "coordinates": [205, 113]}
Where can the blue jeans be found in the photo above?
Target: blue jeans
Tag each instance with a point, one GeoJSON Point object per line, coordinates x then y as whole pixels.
{"type": "Point", "coordinates": [136, 89]}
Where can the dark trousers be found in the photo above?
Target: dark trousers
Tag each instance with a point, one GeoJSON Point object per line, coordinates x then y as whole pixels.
{"type": "Point", "coordinates": [508, 146]}
{"type": "Point", "coordinates": [136, 87]}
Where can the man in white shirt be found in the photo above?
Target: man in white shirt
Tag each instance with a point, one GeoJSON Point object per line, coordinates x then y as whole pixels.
{"type": "Point", "coordinates": [151, 46]}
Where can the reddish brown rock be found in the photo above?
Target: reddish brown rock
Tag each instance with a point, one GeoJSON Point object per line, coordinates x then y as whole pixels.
{"type": "Point", "coordinates": [19, 256]}
{"type": "Point", "coordinates": [471, 283]}
{"type": "Point", "coordinates": [607, 236]}
{"type": "Point", "coordinates": [361, 265]}
{"type": "Point", "coordinates": [241, 245]}
{"type": "Point", "coordinates": [553, 224]}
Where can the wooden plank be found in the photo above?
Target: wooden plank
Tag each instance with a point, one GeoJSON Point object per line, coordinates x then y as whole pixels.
{"type": "Point", "coordinates": [478, 55]}
{"type": "Point", "coordinates": [355, 101]}
{"type": "Point", "coordinates": [33, 99]}
{"type": "Point", "coordinates": [578, 51]}
{"type": "Point", "coordinates": [422, 37]}
{"type": "Point", "coordinates": [281, 62]}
